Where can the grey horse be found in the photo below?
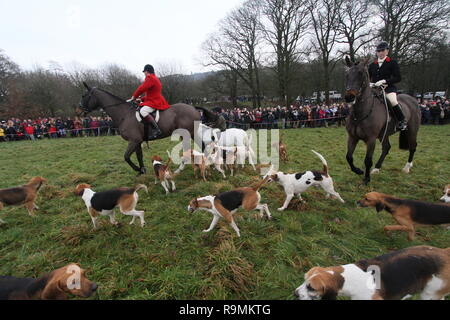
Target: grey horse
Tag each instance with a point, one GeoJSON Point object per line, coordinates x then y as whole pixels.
{"type": "Point", "coordinates": [368, 118]}
{"type": "Point", "coordinates": [123, 114]}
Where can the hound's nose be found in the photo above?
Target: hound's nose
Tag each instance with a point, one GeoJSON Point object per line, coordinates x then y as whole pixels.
{"type": "Point", "coordinates": [94, 287]}
{"type": "Point", "coordinates": [296, 294]}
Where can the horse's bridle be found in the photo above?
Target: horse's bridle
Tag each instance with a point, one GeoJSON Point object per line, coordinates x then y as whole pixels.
{"type": "Point", "coordinates": [86, 109]}
{"type": "Point", "coordinates": [360, 91]}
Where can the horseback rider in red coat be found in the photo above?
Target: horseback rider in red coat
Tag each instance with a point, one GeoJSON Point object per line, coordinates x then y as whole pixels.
{"type": "Point", "coordinates": [153, 99]}
{"type": "Point", "coordinates": [385, 71]}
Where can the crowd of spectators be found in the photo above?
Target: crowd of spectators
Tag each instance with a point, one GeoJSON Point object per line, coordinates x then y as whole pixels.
{"type": "Point", "coordinates": [435, 112]}
{"type": "Point", "coordinates": [16, 129]}
{"type": "Point", "coordinates": [295, 116]}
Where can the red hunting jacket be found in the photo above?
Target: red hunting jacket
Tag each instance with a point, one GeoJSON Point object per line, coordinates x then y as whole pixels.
{"type": "Point", "coordinates": [153, 98]}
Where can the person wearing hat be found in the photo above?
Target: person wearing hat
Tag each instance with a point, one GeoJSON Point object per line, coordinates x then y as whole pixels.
{"type": "Point", "coordinates": [385, 71]}
{"type": "Point", "coordinates": [152, 100]}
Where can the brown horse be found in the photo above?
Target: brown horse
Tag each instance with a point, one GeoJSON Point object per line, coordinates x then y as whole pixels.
{"type": "Point", "coordinates": [368, 120]}
{"type": "Point", "coordinates": [123, 114]}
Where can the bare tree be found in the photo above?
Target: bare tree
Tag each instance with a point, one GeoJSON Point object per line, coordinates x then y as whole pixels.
{"type": "Point", "coordinates": [9, 71]}
{"type": "Point", "coordinates": [119, 81]}
{"type": "Point", "coordinates": [288, 22]}
{"type": "Point", "coordinates": [352, 26]}
{"type": "Point", "coordinates": [325, 21]}
{"type": "Point", "coordinates": [235, 46]}
{"type": "Point", "coordinates": [175, 83]}
{"type": "Point", "coordinates": [407, 21]}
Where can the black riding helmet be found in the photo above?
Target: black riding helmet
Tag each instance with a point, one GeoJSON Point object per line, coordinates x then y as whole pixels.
{"type": "Point", "coordinates": [149, 68]}
{"type": "Point", "coordinates": [382, 46]}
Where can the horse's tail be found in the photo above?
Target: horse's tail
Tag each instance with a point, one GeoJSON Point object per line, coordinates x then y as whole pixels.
{"type": "Point", "coordinates": [324, 162]}
{"type": "Point", "coordinates": [210, 116]}
{"type": "Point", "coordinates": [403, 140]}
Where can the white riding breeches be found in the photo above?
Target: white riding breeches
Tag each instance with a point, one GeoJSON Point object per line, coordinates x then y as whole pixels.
{"type": "Point", "coordinates": [392, 99]}
{"type": "Point", "coordinates": [146, 110]}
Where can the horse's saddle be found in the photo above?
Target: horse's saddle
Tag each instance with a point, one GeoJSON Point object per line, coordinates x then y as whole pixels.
{"type": "Point", "coordinates": [139, 117]}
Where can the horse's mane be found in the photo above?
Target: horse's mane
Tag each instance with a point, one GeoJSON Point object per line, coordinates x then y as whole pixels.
{"type": "Point", "coordinates": [113, 95]}
{"type": "Point", "coordinates": [116, 97]}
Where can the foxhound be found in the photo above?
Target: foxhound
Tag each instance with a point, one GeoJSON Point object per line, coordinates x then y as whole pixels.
{"type": "Point", "coordinates": [53, 286]}
{"type": "Point", "coordinates": [407, 213]}
{"type": "Point", "coordinates": [297, 183]}
{"type": "Point", "coordinates": [225, 204]}
{"type": "Point", "coordinates": [25, 194]}
{"type": "Point", "coordinates": [163, 173]}
{"type": "Point", "coordinates": [446, 196]}
{"type": "Point", "coordinates": [422, 270]}
{"type": "Point", "coordinates": [103, 203]}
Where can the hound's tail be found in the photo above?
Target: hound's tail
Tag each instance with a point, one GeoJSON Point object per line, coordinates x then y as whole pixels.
{"type": "Point", "coordinates": [139, 187]}
{"type": "Point", "coordinates": [169, 161]}
{"type": "Point", "coordinates": [259, 185]}
{"type": "Point", "coordinates": [325, 164]}
{"type": "Point", "coordinates": [172, 174]}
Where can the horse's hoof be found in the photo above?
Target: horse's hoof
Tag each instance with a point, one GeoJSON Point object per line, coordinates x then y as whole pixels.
{"type": "Point", "coordinates": [143, 170]}
{"type": "Point", "coordinates": [407, 167]}
{"type": "Point", "coordinates": [366, 182]}
{"type": "Point", "coordinates": [375, 171]}
{"type": "Point", "coordinates": [358, 171]}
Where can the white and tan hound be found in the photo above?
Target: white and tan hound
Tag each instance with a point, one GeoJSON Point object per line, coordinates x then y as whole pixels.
{"type": "Point", "coordinates": [163, 173]}
{"type": "Point", "coordinates": [446, 196]}
{"type": "Point", "coordinates": [297, 183]}
{"type": "Point", "coordinates": [225, 204]}
{"type": "Point", "coordinates": [104, 203]}
{"type": "Point", "coordinates": [422, 270]}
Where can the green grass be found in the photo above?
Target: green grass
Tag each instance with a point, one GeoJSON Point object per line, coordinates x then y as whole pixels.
{"type": "Point", "coordinates": [171, 258]}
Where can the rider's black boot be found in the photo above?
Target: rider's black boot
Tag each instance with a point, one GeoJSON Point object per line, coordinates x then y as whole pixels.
{"type": "Point", "coordinates": [155, 132]}
{"type": "Point", "coordinates": [402, 124]}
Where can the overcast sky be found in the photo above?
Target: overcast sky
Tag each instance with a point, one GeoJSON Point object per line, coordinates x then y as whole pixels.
{"type": "Point", "coordinates": [93, 33]}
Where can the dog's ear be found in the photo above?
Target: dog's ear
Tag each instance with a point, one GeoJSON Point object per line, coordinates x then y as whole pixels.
{"type": "Point", "coordinates": [330, 294]}
{"type": "Point", "coordinates": [380, 206]}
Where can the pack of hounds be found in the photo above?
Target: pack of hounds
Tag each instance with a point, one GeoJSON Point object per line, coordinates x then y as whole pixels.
{"type": "Point", "coordinates": [422, 270]}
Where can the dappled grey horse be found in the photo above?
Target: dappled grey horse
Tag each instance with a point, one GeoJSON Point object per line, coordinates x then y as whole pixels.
{"type": "Point", "coordinates": [368, 118]}
{"type": "Point", "coordinates": [123, 114]}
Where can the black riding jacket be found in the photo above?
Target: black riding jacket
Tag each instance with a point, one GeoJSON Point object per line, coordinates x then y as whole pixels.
{"type": "Point", "coordinates": [388, 71]}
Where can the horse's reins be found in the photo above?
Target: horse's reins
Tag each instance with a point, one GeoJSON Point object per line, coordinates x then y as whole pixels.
{"type": "Point", "coordinates": [387, 114]}
{"type": "Point", "coordinates": [371, 108]}
{"type": "Point", "coordinates": [360, 92]}
{"type": "Point", "coordinates": [103, 107]}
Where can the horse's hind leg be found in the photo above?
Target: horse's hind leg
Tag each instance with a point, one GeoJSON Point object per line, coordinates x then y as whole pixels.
{"type": "Point", "coordinates": [351, 145]}
{"type": "Point", "coordinates": [130, 150]}
{"type": "Point", "coordinates": [385, 151]}
{"type": "Point", "coordinates": [140, 157]}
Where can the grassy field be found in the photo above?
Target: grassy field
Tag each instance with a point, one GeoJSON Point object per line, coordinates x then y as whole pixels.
{"type": "Point", "coordinates": [171, 258]}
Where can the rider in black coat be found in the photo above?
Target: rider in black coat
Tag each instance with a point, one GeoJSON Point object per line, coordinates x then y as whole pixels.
{"type": "Point", "coordinates": [385, 72]}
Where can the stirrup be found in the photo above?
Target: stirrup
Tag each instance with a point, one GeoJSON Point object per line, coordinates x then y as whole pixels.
{"type": "Point", "coordinates": [154, 133]}
{"type": "Point", "coordinates": [402, 125]}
